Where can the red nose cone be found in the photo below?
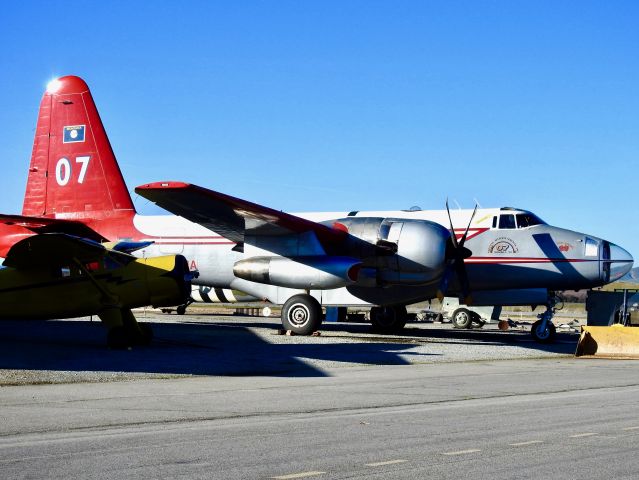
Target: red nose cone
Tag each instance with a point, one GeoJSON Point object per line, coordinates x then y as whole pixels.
{"type": "Point", "coordinates": [67, 85]}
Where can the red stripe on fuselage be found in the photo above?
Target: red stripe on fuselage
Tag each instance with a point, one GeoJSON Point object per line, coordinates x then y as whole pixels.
{"type": "Point", "coordinates": [491, 260]}
{"type": "Point", "coordinates": [472, 232]}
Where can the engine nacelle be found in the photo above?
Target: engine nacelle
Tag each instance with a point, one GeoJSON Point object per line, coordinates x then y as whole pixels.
{"type": "Point", "coordinates": [421, 253]}
{"type": "Point", "coordinates": [403, 251]}
{"type": "Point", "coordinates": [309, 272]}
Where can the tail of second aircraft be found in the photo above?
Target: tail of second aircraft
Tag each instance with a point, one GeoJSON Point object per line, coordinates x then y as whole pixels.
{"type": "Point", "coordinates": [73, 172]}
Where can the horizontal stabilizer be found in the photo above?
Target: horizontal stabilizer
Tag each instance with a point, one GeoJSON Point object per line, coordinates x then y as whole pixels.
{"type": "Point", "coordinates": [52, 225]}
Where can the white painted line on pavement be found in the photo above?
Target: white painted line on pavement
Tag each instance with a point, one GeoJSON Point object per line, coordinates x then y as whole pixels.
{"type": "Point", "coordinates": [580, 435]}
{"type": "Point", "coordinates": [388, 462]}
{"type": "Point", "coordinates": [462, 452]}
{"type": "Point", "coordinates": [523, 444]}
{"type": "Point", "coordinates": [298, 475]}
{"type": "Point", "coordinates": [630, 428]}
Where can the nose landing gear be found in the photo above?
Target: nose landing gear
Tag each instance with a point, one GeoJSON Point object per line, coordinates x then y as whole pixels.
{"type": "Point", "coordinates": [543, 330]}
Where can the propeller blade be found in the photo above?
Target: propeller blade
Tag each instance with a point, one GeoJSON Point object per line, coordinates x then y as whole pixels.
{"type": "Point", "coordinates": [452, 228]}
{"type": "Point", "coordinates": [463, 239]}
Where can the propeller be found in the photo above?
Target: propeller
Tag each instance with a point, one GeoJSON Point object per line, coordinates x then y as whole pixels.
{"type": "Point", "coordinates": [455, 255]}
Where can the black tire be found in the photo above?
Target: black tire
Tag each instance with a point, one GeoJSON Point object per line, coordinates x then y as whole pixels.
{"type": "Point", "coordinates": [546, 336]}
{"type": "Point", "coordinates": [302, 314]}
{"type": "Point", "coordinates": [462, 318]}
{"type": "Point", "coordinates": [478, 322]}
{"type": "Point", "coordinates": [388, 319]}
{"type": "Point", "coordinates": [181, 309]}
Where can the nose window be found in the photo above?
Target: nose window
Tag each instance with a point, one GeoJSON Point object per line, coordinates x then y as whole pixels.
{"type": "Point", "coordinates": [591, 247]}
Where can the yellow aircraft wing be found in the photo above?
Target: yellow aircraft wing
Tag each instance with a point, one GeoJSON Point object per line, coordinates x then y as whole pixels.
{"type": "Point", "coordinates": [55, 249]}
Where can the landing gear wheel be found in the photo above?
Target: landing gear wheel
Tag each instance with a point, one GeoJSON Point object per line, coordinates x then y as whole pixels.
{"type": "Point", "coordinates": [302, 314]}
{"type": "Point", "coordinates": [462, 318]}
{"type": "Point", "coordinates": [181, 309]}
{"type": "Point", "coordinates": [388, 319]}
{"type": "Point", "coordinates": [546, 335]}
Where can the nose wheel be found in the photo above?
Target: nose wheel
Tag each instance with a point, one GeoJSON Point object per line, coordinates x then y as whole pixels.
{"type": "Point", "coordinates": [543, 330]}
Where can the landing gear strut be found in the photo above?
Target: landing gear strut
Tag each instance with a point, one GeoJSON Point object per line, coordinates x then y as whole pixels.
{"type": "Point", "coordinates": [181, 309]}
{"type": "Point", "coordinates": [124, 330]}
{"type": "Point", "coordinates": [543, 330]}
{"type": "Point", "coordinates": [388, 319]}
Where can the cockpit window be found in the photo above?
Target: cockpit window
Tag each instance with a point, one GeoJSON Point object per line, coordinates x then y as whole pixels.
{"type": "Point", "coordinates": [528, 220]}
{"type": "Point", "coordinates": [495, 221]}
{"type": "Point", "coordinates": [507, 221]}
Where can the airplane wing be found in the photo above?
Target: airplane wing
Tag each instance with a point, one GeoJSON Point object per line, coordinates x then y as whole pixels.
{"type": "Point", "coordinates": [52, 225]}
{"type": "Point", "coordinates": [229, 216]}
{"type": "Point", "coordinates": [56, 249]}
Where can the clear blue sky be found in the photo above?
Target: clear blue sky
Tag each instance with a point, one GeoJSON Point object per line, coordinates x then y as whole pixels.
{"type": "Point", "coordinates": [347, 105]}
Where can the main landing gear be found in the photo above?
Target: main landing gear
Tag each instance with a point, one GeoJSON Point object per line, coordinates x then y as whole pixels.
{"type": "Point", "coordinates": [124, 330]}
{"type": "Point", "coordinates": [543, 330]}
{"type": "Point", "coordinates": [388, 319]}
{"type": "Point", "coordinates": [302, 314]}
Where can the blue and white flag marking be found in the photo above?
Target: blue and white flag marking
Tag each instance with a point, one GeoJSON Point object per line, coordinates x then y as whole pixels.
{"type": "Point", "coordinates": [73, 134]}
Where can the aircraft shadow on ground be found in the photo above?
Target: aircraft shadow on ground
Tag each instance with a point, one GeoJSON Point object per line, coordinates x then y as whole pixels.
{"type": "Point", "coordinates": [421, 333]}
{"type": "Point", "coordinates": [179, 348]}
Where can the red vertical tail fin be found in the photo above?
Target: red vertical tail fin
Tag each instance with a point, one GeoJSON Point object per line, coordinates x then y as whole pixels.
{"type": "Point", "coordinates": [73, 172]}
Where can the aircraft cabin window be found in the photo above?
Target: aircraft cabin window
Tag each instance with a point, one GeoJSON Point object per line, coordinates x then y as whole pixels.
{"type": "Point", "coordinates": [591, 247]}
{"type": "Point", "coordinates": [507, 221]}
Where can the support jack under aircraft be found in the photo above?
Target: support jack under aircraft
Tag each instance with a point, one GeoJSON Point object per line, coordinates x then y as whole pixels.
{"type": "Point", "coordinates": [385, 259]}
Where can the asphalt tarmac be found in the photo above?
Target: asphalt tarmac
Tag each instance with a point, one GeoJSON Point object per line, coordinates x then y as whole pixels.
{"type": "Point", "coordinates": [320, 407]}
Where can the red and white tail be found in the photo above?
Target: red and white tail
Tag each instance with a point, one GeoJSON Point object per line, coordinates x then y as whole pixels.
{"type": "Point", "coordinates": [73, 172]}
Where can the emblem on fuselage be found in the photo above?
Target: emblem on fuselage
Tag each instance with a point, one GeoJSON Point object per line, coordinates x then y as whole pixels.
{"type": "Point", "coordinates": [564, 246]}
{"type": "Point", "coordinates": [503, 245]}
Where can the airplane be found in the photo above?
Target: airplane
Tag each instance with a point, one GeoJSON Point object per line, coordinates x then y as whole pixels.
{"type": "Point", "coordinates": [56, 275]}
{"type": "Point", "coordinates": [382, 259]}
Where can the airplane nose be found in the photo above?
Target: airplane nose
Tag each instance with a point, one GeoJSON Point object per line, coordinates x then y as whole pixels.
{"type": "Point", "coordinates": [620, 262]}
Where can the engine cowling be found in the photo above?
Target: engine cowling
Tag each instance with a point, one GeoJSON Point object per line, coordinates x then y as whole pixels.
{"type": "Point", "coordinates": [402, 251]}
{"type": "Point", "coordinates": [320, 272]}
{"type": "Point", "coordinates": [421, 253]}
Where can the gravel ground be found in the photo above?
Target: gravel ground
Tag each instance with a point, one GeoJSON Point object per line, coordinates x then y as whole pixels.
{"type": "Point", "coordinates": [199, 343]}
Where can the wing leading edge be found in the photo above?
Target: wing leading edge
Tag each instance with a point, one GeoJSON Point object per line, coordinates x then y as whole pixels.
{"type": "Point", "coordinates": [229, 216]}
